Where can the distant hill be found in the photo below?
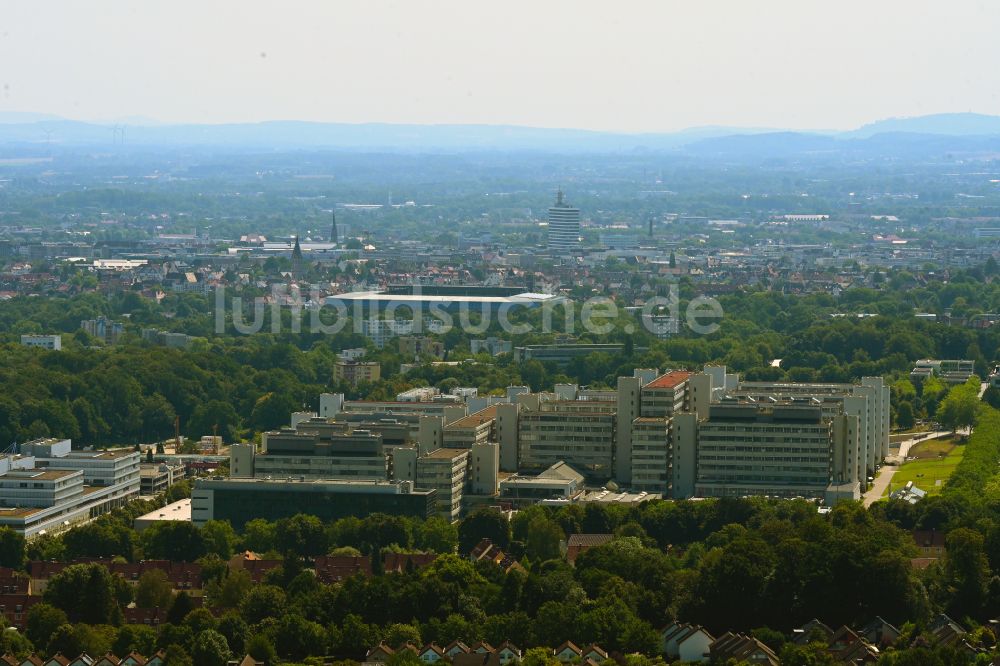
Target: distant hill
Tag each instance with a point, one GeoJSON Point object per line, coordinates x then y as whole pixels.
{"type": "Point", "coordinates": [7, 117]}
{"type": "Point", "coordinates": [884, 144]}
{"type": "Point", "coordinates": [771, 143]}
{"type": "Point", "coordinates": [926, 135]}
{"type": "Point", "coordinates": [367, 136]}
{"type": "Point", "coordinates": [952, 124]}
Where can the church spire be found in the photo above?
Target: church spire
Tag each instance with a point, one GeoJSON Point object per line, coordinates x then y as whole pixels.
{"type": "Point", "coordinates": [297, 259]}
{"type": "Point", "coordinates": [333, 228]}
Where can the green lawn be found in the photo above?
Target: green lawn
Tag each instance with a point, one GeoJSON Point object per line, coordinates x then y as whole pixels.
{"type": "Point", "coordinates": [933, 448]}
{"type": "Point", "coordinates": [927, 471]}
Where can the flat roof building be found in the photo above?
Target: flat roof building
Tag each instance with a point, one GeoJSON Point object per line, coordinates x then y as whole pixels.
{"type": "Point", "coordinates": [355, 372]}
{"type": "Point", "coordinates": [49, 487]}
{"type": "Point", "coordinates": [242, 500]}
{"type": "Point", "coordinates": [51, 342]}
{"type": "Point", "coordinates": [179, 511]}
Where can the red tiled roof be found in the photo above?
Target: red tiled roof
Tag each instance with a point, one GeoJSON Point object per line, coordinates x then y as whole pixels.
{"type": "Point", "coordinates": [398, 562]}
{"type": "Point", "coordinates": [580, 542]}
{"type": "Point", "coordinates": [669, 380]}
{"type": "Point", "coordinates": [335, 568]}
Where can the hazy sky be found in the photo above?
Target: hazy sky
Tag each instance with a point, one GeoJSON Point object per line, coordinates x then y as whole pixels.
{"type": "Point", "coordinates": [614, 64]}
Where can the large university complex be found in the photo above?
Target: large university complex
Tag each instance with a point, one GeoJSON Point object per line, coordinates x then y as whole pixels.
{"type": "Point", "coordinates": [48, 486]}
{"type": "Point", "coordinates": [674, 434]}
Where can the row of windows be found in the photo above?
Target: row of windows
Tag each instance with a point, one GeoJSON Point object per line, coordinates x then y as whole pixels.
{"type": "Point", "coordinates": [709, 427]}
{"type": "Point", "coordinates": [757, 478]}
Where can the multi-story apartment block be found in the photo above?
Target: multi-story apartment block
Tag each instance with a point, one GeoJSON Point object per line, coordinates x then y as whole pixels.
{"type": "Point", "coordinates": [51, 342]}
{"type": "Point", "coordinates": [103, 329]}
{"type": "Point", "coordinates": [413, 346]}
{"type": "Point", "coordinates": [491, 345]}
{"type": "Point", "coordinates": [381, 331]}
{"type": "Point", "coordinates": [355, 372]}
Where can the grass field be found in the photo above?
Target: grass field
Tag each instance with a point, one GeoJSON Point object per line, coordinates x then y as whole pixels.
{"type": "Point", "coordinates": [933, 448]}
{"type": "Point", "coordinates": [897, 437]}
{"type": "Point", "coordinates": [936, 460]}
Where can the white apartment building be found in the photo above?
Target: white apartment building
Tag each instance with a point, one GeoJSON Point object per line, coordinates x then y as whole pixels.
{"type": "Point", "coordinates": [52, 342]}
{"type": "Point", "coordinates": [782, 450]}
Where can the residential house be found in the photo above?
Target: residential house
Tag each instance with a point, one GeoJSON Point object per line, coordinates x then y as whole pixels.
{"type": "Point", "coordinates": [945, 631]}
{"type": "Point", "coordinates": [158, 659]}
{"type": "Point", "coordinates": [595, 653]}
{"type": "Point", "coordinates": [486, 550]}
{"type": "Point", "coordinates": [508, 652]}
{"type": "Point", "coordinates": [482, 647]}
{"type": "Point", "coordinates": [579, 543]}
{"type": "Point", "coordinates": [14, 608]}
{"type": "Point", "coordinates": [246, 661]}
{"type": "Point", "coordinates": [57, 660]}
{"type": "Point", "coordinates": [335, 568]}
{"type": "Point", "coordinates": [430, 654]}
{"type": "Point", "coordinates": [403, 562]}
{"type": "Point", "coordinates": [379, 654]}
{"type": "Point", "coordinates": [858, 652]}
{"type": "Point", "coordinates": [850, 647]}
{"type": "Point", "coordinates": [251, 563]}
{"type": "Point", "coordinates": [476, 659]}
{"type": "Point", "coordinates": [931, 543]}
{"type": "Point", "coordinates": [742, 648]}
{"type": "Point", "coordinates": [879, 633]}
{"type": "Point", "coordinates": [456, 647]}
{"type": "Point", "coordinates": [687, 642]}
{"type": "Point", "coordinates": [151, 617]}
{"type": "Point", "coordinates": [108, 660]}
{"type": "Point", "coordinates": [568, 651]}
{"type": "Point", "coordinates": [811, 631]}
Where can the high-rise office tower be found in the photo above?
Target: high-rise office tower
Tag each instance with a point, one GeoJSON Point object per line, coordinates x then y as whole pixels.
{"type": "Point", "coordinates": [564, 226]}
